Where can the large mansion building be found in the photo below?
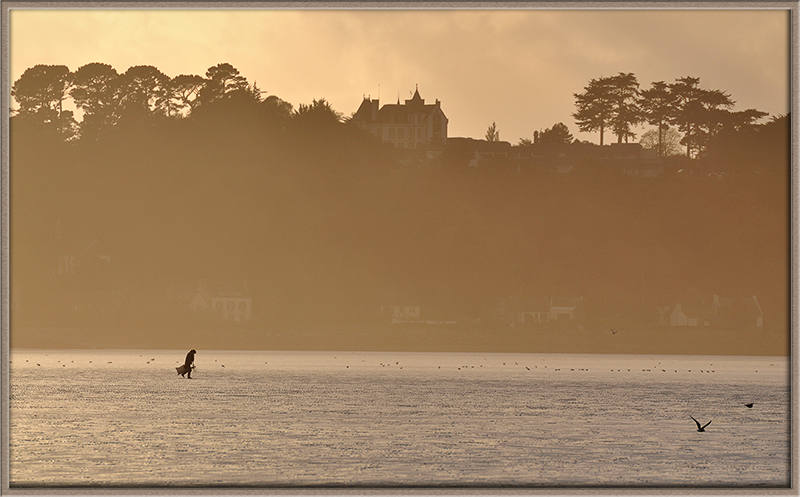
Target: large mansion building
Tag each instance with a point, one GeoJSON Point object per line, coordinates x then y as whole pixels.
{"type": "Point", "coordinates": [414, 125]}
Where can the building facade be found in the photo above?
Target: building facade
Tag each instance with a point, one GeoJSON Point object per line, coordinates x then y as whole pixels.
{"type": "Point", "coordinates": [229, 300]}
{"type": "Point", "coordinates": [413, 125]}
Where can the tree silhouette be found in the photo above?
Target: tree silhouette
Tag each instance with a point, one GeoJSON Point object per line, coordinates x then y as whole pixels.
{"type": "Point", "coordinates": [41, 87]}
{"type": "Point", "coordinates": [737, 144]}
{"type": "Point", "coordinates": [492, 134]}
{"type": "Point", "coordinates": [183, 92]}
{"type": "Point", "coordinates": [657, 105]}
{"type": "Point", "coordinates": [609, 102]}
{"type": "Point", "coordinates": [143, 91]}
{"type": "Point", "coordinates": [626, 112]}
{"type": "Point", "coordinates": [40, 92]}
{"type": "Point", "coordinates": [222, 80]}
{"type": "Point", "coordinates": [94, 92]}
{"type": "Point", "coordinates": [666, 140]}
{"type": "Point", "coordinates": [226, 97]}
{"type": "Point", "coordinates": [744, 120]}
{"type": "Point", "coordinates": [317, 114]}
{"type": "Point", "coordinates": [595, 107]}
{"type": "Point", "coordinates": [276, 107]}
{"type": "Point", "coordinates": [559, 133]}
{"type": "Point", "coordinates": [696, 111]}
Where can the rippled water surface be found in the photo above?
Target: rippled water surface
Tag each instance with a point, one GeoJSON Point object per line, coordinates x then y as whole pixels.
{"type": "Point", "coordinates": [325, 418]}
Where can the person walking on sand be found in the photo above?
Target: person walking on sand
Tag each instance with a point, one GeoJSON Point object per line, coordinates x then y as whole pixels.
{"type": "Point", "coordinates": [188, 364]}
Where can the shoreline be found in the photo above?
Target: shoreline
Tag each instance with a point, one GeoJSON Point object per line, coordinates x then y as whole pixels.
{"type": "Point", "coordinates": [404, 338]}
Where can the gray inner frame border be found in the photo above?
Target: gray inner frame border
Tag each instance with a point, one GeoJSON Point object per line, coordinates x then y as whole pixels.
{"type": "Point", "coordinates": [793, 7]}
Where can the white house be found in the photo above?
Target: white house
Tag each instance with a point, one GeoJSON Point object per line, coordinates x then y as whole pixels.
{"type": "Point", "coordinates": [722, 312]}
{"type": "Point", "coordinates": [533, 310]}
{"type": "Point", "coordinates": [680, 315]}
{"type": "Point", "coordinates": [563, 308]}
{"type": "Point", "coordinates": [401, 306]}
{"type": "Point", "coordinates": [404, 313]}
{"type": "Point", "coordinates": [230, 300]}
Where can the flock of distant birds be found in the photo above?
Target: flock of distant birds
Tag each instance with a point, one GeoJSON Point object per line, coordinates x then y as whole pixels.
{"type": "Point", "coordinates": [700, 427]}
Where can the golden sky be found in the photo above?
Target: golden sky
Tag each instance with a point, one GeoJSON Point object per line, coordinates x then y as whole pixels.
{"type": "Point", "coordinates": [518, 68]}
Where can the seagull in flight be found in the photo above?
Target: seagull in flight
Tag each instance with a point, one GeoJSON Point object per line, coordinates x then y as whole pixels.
{"type": "Point", "coordinates": [613, 331]}
{"type": "Point", "coordinates": [700, 428]}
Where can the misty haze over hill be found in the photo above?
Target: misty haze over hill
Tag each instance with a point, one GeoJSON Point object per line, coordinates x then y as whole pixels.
{"type": "Point", "coordinates": [320, 221]}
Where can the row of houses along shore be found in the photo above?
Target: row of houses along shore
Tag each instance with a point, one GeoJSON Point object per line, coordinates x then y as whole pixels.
{"type": "Point", "coordinates": [234, 302]}
{"type": "Point", "coordinates": [689, 310]}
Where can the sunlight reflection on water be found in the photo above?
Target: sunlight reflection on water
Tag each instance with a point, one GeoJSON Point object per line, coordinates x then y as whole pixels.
{"type": "Point", "coordinates": [95, 417]}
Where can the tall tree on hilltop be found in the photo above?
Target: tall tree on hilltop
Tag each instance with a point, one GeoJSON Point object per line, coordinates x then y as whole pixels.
{"type": "Point", "coordinates": [222, 81]}
{"type": "Point", "coordinates": [226, 97]}
{"type": "Point", "coordinates": [183, 93]}
{"type": "Point", "coordinates": [717, 105]}
{"type": "Point", "coordinates": [610, 102]}
{"type": "Point", "coordinates": [143, 91]}
{"type": "Point", "coordinates": [94, 92]}
{"type": "Point", "coordinates": [737, 143]}
{"type": "Point", "coordinates": [594, 107]}
{"type": "Point", "coordinates": [41, 87]}
{"type": "Point", "coordinates": [656, 104]}
{"type": "Point", "coordinates": [626, 111]}
{"type": "Point", "coordinates": [40, 93]}
{"type": "Point", "coordinates": [744, 120]}
{"type": "Point", "coordinates": [696, 111]}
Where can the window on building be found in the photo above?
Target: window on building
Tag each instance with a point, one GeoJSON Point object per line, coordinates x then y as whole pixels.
{"type": "Point", "coordinates": [391, 133]}
{"type": "Point", "coordinates": [218, 306]}
{"type": "Point", "coordinates": [242, 305]}
{"type": "Point", "coordinates": [400, 133]}
{"type": "Point", "coordinates": [231, 305]}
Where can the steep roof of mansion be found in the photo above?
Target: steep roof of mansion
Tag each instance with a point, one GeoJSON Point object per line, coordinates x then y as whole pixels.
{"type": "Point", "coordinates": [415, 105]}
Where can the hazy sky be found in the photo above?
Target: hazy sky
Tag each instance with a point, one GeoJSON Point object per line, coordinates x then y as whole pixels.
{"type": "Point", "coordinates": [518, 68]}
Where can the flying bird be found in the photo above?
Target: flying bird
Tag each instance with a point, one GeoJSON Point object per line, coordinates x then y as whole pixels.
{"type": "Point", "coordinates": [700, 428]}
{"type": "Point", "coordinates": [749, 406]}
{"type": "Point", "coordinates": [613, 331]}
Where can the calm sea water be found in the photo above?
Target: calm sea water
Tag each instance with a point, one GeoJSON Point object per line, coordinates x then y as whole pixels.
{"type": "Point", "coordinates": [124, 417]}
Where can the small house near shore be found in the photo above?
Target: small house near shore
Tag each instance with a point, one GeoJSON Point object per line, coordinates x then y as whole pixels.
{"type": "Point", "coordinates": [229, 300]}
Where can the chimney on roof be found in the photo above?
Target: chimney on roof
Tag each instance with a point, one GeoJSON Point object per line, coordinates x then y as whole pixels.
{"type": "Point", "coordinates": [374, 109]}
